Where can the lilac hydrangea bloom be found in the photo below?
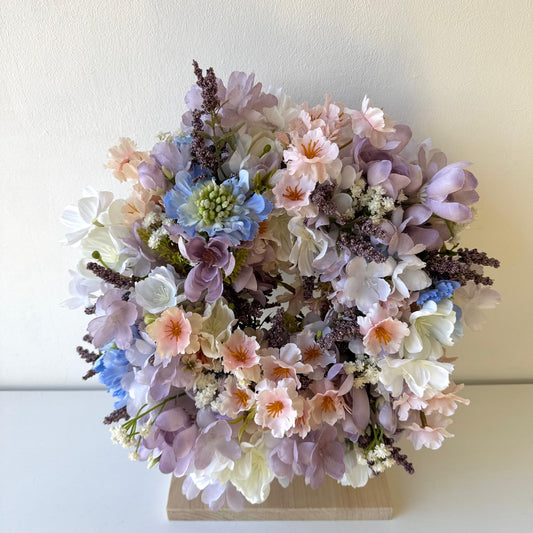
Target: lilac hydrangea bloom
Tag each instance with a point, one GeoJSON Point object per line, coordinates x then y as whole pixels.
{"type": "Point", "coordinates": [117, 317]}
{"type": "Point", "coordinates": [168, 160]}
{"type": "Point", "coordinates": [323, 454]}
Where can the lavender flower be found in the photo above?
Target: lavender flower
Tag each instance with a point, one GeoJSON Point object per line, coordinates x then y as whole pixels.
{"type": "Point", "coordinates": [212, 258]}
{"type": "Point", "coordinates": [115, 320]}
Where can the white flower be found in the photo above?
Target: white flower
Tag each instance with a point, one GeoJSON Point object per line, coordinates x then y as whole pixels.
{"type": "Point", "coordinates": [81, 218]}
{"type": "Point", "coordinates": [310, 245]}
{"type": "Point", "coordinates": [356, 472]}
{"type": "Point", "coordinates": [364, 285]}
{"type": "Point", "coordinates": [83, 289]}
{"type": "Point", "coordinates": [419, 374]}
{"type": "Point", "coordinates": [251, 474]}
{"type": "Point", "coordinates": [158, 291]}
{"type": "Point", "coordinates": [216, 327]}
{"type": "Point", "coordinates": [431, 328]}
{"type": "Point", "coordinates": [409, 276]}
{"type": "Point", "coordinates": [473, 299]}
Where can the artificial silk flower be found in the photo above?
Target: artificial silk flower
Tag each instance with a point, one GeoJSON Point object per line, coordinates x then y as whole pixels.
{"type": "Point", "coordinates": [171, 332]}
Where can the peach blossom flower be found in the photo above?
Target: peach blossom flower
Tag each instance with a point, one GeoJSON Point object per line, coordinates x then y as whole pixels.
{"type": "Point", "coordinates": [408, 402]}
{"type": "Point", "coordinates": [285, 365]}
{"type": "Point", "coordinates": [381, 332]}
{"type": "Point", "coordinates": [445, 402]}
{"type": "Point", "coordinates": [328, 405]}
{"type": "Point", "coordinates": [171, 332]}
{"type": "Point", "coordinates": [240, 351]}
{"type": "Point", "coordinates": [292, 192]}
{"type": "Point", "coordinates": [124, 160]}
{"type": "Point", "coordinates": [313, 155]}
{"type": "Point", "coordinates": [138, 205]}
{"type": "Point", "coordinates": [302, 424]}
{"type": "Point", "coordinates": [312, 353]}
{"type": "Point", "coordinates": [278, 406]}
{"type": "Point", "coordinates": [431, 435]}
{"type": "Point", "coordinates": [372, 123]}
{"type": "Point", "coordinates": [235, 399]}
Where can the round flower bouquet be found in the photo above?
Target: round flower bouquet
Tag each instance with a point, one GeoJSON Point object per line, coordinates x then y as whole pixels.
{"type": "Point", "coordinates": [275, 296]}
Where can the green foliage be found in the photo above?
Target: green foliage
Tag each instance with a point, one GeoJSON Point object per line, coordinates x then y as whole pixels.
{"type": "Point", "coordinates": [168, 251]}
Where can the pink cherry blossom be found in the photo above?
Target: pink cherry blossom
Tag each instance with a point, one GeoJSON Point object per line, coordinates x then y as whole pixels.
{"type": "Point", "coordinates": [381, 332]}
{"type": "Point", "coordinates": [278, 406]}
{"type": "Point", "coordinates": [372, 123]}
{"type": "Point", "coordinates": [240, 351]}
{"type": "Point", "coordinates": [292, 192]}
{"type": "Point", "coordinates": [313, 155]}
{"type": "Point", "coordinates": [286, 365]}
{"type": "Point", "coordinates": [234, 399]}
{"type": "Point", "coordinates": [431, 435]}
{"type": "Point", "coordinates": [171, 332]}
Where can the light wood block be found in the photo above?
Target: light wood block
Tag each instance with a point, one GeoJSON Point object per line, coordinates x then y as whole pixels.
{"type": "Point", "coordinates": [330, 501]}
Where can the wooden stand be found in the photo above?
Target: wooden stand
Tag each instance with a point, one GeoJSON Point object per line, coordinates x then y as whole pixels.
{"type": "Point", "coordinates": [330, 501]}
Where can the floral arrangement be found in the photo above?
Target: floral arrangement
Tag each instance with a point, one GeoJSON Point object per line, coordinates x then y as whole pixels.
{"type": "Point", "coordinates": [275, 297]}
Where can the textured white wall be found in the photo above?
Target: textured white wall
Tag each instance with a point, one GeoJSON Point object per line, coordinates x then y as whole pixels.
{"type": "Point", "coordinates": [76, 75]}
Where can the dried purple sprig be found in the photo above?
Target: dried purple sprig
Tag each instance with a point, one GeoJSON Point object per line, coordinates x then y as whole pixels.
{"type": "Point", "coordinates": [116, 415]}
{"type": "Point", "coordinates": [460, 268]}
{"type": "Point", "coordinates": [208, 156]}
{"type": "Point", "coordinates": [343, 327]}
{"type": "Point", "coordinates": [89, 374]}
{"type": "Point", "coordinates": [278, 335]}
{"type": "Point", "coordinates": [110, 276]}
{"type": "Point", "coordinates": [87, 355]}
{"type": "Point", "coordinates": [308, 287]}
{"type": "Point", "coordinates": [360, 246]}
{"type": "Point", "coordinates": [399, 458]}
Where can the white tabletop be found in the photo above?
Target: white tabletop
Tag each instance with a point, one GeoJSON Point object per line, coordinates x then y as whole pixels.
{"type": "Point", "coordinates": [59, 472]}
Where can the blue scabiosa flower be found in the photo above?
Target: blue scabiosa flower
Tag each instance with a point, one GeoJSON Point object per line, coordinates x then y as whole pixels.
{"type": "Point", "coordinates": [442, 289]}
{"type": "Point", "coordinates": [111, 367]}
{"type": "Point", "coordinates": [228, 209]}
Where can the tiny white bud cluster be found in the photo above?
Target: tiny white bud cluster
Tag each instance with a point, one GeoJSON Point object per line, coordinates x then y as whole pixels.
{"type": "Point", "coordinates": [119, 435]}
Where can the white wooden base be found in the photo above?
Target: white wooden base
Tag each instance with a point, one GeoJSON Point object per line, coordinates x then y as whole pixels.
{"type": "Point", "coordinates": [330, 501]}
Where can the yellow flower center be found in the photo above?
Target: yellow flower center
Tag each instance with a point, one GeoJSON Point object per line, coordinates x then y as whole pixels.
{"type": "Point", "coordinates": [240, 397]}
{"type": "Point", "coordinates": [274, 408]}
{"type": "Point", "coordinates": [239, 353]}
{"type": "Point", "coordinates": [174, 329]}
{"type": "Point", "coordinates": [311, 149]}
{"type": "Point", "coordinates": [294, 194]}
{"type": "Point", "coordinates": [312, 352]}
{"type": "Point", "coordinates": [281, 372]}
{"type": "Point", "coordinates": [382, 335]}
{"type": "Point", "coordinates": [327, 404]}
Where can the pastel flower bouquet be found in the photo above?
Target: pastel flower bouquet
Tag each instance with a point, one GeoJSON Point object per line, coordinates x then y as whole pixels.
{"type": "Point", "coordinates": [275, 296]}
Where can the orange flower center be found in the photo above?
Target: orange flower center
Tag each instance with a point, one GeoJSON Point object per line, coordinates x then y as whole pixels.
{"type": "Point", "coordinates": [274, 408]}
{"type": "Point", "coordinates": [174, 329]}
{"type": "Point", "coordinates": [263, 227]}
{"type": "Point", "coordinates": [294, 194]}
{"type": "Point", "coordinates": [312, 352]}
{"type": "Point", "coordinates": [239, 353]}
{"type": "Point", "coordinates": [281, 372]}
{"type": "Point", "coordinates": [327, 404]}
{"type": "Point", "coordinates": [240, 397]}
{"type": "Point", "coordinates": [382, 335]}
{"type": "Point", "coordinates": [311, 149]}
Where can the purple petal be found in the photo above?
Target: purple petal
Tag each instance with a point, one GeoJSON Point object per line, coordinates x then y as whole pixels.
{"type": "Point", "coordinates": [185, 440]}
{"type": "Point", "coordinates": [167, 462]}
{"type": "Point", "coordinates": [450, 211]}
{"type": "Point", "coordinates": [444, 182]}
{"type": "Point", "coordinates": [378, 171]}
{"type": "Point", "coordinates": [172, 420]}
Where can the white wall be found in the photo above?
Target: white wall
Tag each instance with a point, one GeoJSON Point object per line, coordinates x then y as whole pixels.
{"type": "Point", "coordinates": [75, 75]}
